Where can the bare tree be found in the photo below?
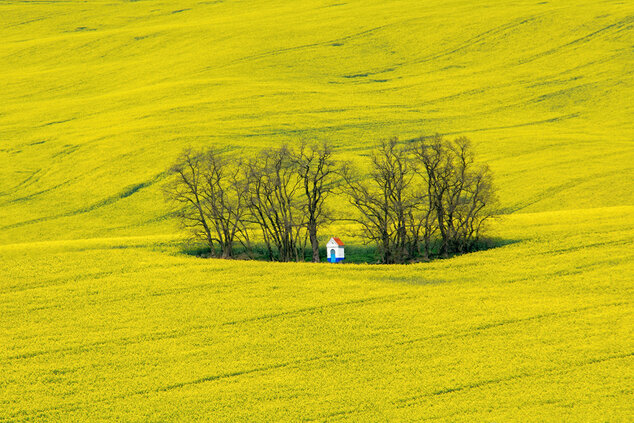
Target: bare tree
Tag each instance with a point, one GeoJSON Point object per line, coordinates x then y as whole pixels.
{"type": "Point", "coordinates": [213, 198]}
{"type": "Point", "coordinates": [385, 201]}
{"type": "Point", "coordinates": [316, 169]}
{"type": "Point", "coordinates": [225, 198]}
{"type": "Point", "coordinates": [185, 188]}
{"type": "Point", "coordinates": [460, 192]}
{"type": "Point", "coordinates": [274, 190]}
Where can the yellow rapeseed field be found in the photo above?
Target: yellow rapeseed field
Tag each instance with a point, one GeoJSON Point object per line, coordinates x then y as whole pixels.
{"type": "Point", "coordinates": [102, 316]}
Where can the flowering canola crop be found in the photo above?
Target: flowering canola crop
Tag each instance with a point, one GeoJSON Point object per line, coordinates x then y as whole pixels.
{"type": "Point", "coordinates": [103, 317]}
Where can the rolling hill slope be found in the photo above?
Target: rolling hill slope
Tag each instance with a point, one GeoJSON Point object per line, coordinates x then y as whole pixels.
{"type": "Point", "coordinates": [119, 329]}
{"type": "Point", "coordinates": [103, 318]}
{"type": "Point", "coordinates": [98, 99]}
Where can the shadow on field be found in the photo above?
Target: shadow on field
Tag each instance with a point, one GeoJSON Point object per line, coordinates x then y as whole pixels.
{"type": "Point", "coordinates": [355, 254]}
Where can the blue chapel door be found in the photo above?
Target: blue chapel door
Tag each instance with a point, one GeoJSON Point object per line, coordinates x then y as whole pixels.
{"type": "Point", "coordinates": [332, 256]}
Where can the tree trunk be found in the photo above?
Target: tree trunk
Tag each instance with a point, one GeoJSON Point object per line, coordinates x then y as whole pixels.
{"type": "Point", "coordinates": [314, 242]}
{"type": "Point", "coordinates": [227, 250]}
{"type": "Point", "coordinates": [210, 242]}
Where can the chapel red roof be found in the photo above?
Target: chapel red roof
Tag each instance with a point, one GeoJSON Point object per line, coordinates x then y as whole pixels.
{"type": "Point", "coordinates": [338, 241]}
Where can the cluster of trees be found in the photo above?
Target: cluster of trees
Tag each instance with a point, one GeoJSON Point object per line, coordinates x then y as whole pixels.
{"type": "Point", "coordinates": [422, 198]}
{"type": "Point", "coordinates": [280, 194]}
